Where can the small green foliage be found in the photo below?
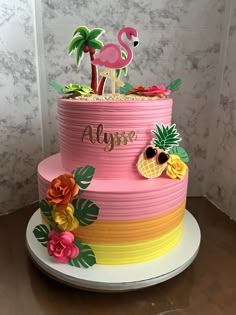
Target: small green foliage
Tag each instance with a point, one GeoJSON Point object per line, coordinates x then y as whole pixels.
{"type": "Point", "coordinates": [84, 175]}
{"type": "Point", "coordinates": [41, 233]}
{"type": "Point", "coordinates": [181, 152]}
{"type": "Point", "coordinates": [166, 137]}
{"type": "Point", "coordinates": [46, 209]}
{"type": "Point", "coordinates": [56, 86]}
{"type": "Point", "coordinates": [86, 257]}
{"type": "Point", "coordinates": [126, 88]}
{"type": "Point", "coordinates": [86, 211]}
{"type": "Point", "coordinates": [174, 86]}
{"type": "Point", "coordinates": [77, 90]}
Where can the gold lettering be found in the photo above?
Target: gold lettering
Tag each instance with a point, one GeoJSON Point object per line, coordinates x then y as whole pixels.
{"type": "Point", "coordinates": [132, 136]}
{"type": "Point", "coordinates": [123, 138]}
{"type": "Point", "coordinates": [109, 140]}
{"type": "Point", "coordinates": [116, 138]}
{"type": "Point", "coordinates": [99, 132]}
{"type": "Point", "coordinates": [88, 131]}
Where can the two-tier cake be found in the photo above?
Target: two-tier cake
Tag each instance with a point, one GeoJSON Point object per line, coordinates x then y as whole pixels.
{"type": "Point", "coordinates": [116, 192]}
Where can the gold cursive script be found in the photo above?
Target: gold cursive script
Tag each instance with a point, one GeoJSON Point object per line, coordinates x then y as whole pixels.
{"type": "Point", "coordinates": [110, 139]}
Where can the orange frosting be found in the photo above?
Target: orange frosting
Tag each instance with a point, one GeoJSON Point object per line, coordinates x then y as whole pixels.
{"type": "Point", "coordinates": [130, 231]}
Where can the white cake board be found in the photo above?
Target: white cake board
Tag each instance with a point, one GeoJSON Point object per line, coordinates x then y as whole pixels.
{"type": "Point", "coordinates": [119, 278]}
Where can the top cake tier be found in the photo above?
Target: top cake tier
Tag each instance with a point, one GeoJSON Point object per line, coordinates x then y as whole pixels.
{"type": "Point", "coordinates": [108, 135]}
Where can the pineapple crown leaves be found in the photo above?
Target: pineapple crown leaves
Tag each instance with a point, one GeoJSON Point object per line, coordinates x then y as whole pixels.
{"type": "Point", "coordinates": [166, 137]}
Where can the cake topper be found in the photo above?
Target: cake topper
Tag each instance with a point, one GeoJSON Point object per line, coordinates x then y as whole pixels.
{"type": "Point", "coordinates": [163, 154]}
{"type": "Point", "coordinates": [115, 59]}
{"type": "Point", "coordinates": [110, 56]}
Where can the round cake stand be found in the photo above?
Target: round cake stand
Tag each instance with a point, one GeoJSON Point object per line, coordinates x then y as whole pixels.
{"type": "Point", "coordinates": [114, 278]}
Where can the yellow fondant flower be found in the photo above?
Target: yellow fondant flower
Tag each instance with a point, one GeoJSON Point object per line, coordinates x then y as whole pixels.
{"type": "Point", "coordinates": [176, 168]}
{"type": "Point", "coordinates": [65, 218]}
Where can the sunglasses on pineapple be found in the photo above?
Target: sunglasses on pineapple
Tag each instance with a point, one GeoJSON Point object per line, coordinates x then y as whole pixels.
{"type": "Point", "coordinates": [150, 152]}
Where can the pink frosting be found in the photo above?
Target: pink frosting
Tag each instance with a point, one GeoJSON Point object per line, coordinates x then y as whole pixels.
{"type": "Point", "coordinates": [116, 116]}
{"type": "Point", "coordinates": [122, 199]}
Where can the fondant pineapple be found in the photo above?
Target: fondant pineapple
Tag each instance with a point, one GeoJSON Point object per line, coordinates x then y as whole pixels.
{"type": "Point", "coordinates": [153, 160]}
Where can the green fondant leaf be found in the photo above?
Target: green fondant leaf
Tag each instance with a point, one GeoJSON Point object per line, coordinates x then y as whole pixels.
{"type": "Point", "coordinates": [86, 257]}
{"type": "Point", "coordinates": [174, 86]}
{"type": "Point", "coordinates": [56, 86]}
{"type": "Point", "coordinates": [95, 43]}
{"type": "Point", "coordinates": [46, 209]}
{"type": "Point", "coordinates": [95, 33]}
{"type": "Point", "coordinates": [125, 88]}
{"type": "Point", "coordinates": [84, 175]}
{"type": "Point", "coordinates": [86, 211]}
{"type": "Point", "coordinates": [41, 233]}
{"type": "Point", "coordinates": [83, 31]}
{"type": "Point", "coordinates": [181, 152]}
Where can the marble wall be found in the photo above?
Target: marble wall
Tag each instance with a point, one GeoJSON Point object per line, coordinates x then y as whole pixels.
{"type": "Point", "coordinates": [20, 124]}
{"type": "Point", "coordinates": [221, 184]}
{"type": "Point", "coordinates": [181, 38]}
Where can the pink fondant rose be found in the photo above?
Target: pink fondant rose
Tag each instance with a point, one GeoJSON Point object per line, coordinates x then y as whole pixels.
{"type": "Point", "coordinates": [61, 247]}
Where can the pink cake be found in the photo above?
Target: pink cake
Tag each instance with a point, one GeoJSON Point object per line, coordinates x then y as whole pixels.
{"type": "Point", "coordinates": [116, 192]}
{"type": "Point", "coordinates": [135, 213]}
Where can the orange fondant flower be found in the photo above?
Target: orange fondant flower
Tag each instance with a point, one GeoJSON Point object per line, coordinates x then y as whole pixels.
{"type": "Point", "coordinates": [61, 190]}
{"type": "Point", "coordinates": [176, 168]}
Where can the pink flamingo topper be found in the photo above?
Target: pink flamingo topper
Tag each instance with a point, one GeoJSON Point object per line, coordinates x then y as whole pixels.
{"type": "Point", "coordinates": [110, 55]}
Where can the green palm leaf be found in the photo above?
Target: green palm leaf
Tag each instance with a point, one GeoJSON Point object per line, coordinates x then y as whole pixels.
{"type": "Point", "coordinates": [95, 33]}
{"type": "Point", "coordinates": [83, 31]}
{"type": "Point", "coordinates": [74, 43]}
{"type": "Point", "coordinates": [86, 257]}
{"type": "Point", "coordinates": [79, 52]}
{"type": "Point", "coordinates": [94, 43]}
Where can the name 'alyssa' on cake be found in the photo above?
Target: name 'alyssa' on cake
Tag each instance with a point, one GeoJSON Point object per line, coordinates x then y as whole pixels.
{"type": "Point", "coordinates": [133, 210]}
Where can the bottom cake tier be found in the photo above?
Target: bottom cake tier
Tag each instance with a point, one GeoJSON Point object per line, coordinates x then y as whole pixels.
{"type": "Point", "coordinates": [139, 219]}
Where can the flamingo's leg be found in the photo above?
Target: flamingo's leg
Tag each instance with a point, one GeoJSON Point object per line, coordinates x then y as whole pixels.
{"type": "Point", "coordinates": [111, 74]}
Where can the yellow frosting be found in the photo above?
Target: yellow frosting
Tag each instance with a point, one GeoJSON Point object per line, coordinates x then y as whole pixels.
{"type": "Point", "coordinates": [117, 254]}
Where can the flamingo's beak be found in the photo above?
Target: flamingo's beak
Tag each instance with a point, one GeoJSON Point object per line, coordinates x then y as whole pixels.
{"type": "Point", "coordinates": [135, 41]}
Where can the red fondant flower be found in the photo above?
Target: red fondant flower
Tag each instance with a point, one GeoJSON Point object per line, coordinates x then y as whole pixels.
{"type": "Point", "coordinates": [61, 247]}
{"type": "Point", "coordinates": [61, 190]}
{"type": "Point", "coordinates": [154, 90]}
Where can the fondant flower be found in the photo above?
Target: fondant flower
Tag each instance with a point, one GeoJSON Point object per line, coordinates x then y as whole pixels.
{"type": "Point", "coordinates": [61, 190]}
{"type": "Point", "coordinates": [61, 247]}
{"type": "Point", "coordinates": [156, 90]}
{"type": "Point", "coordinates": [176, 168]}
{"type": "Point", "coordinates": [65, 218]}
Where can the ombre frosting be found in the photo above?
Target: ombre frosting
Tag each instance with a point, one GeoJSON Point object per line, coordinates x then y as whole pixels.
{"type": "Point", "coordinates": [87, 128]}
{"type": "Point", "coordinates": [139, 219]}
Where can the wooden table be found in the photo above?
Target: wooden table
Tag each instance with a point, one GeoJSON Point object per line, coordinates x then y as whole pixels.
{"type": "Point", "coordinates": [207, 287]}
